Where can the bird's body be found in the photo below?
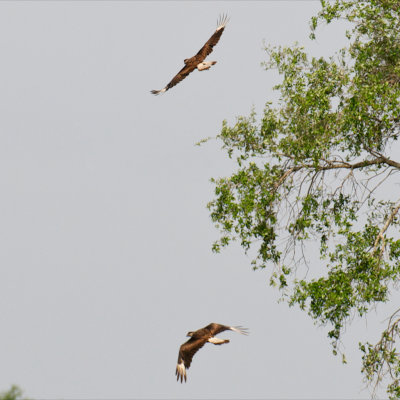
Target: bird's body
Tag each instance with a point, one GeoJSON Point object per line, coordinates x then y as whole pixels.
{"type": "Point", "coordinates": [197, 340]}
{"type": "Point", "coordinates": [197, 61]}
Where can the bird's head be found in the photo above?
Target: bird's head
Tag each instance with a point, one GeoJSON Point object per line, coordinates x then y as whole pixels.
{"type": "Point", "coordinates": [189, 334]}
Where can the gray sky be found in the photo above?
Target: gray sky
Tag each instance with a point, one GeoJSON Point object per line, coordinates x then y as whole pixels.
{"type": "Point", "coordinates": [105, 257]}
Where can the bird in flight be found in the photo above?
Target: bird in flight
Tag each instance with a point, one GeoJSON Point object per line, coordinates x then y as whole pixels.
{"type": "Point", "coordinates": [197, 61]}
{"type": "Point", "coordinates": [197, 341]}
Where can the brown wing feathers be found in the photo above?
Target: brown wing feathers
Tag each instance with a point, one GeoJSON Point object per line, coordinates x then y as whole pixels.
{"type": "Point", "coordinates": [186, 353]}
{"type": "Point", "coordinates": [218, 328]}
{"type": "Point", "coordinates": [208, 47]}
{"type": "Point", "coordinates": [182, 74]}
{"type": "Point", "coordinates": [191, 63]}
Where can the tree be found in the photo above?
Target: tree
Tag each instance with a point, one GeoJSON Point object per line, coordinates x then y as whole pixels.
{"type": "Point", "coordinates": [311, 172]}
{"type": "Point", "coordinates": [14, 393]}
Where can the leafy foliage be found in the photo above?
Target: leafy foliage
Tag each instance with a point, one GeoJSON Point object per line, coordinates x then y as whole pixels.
{"type": "Point", "coordinates": [14, 393]}
{"type": "Point", "coordinates": [311, 171]}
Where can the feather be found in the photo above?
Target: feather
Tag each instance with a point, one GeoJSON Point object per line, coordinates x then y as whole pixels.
{"type": "Point", "coordinates": [214, 39]}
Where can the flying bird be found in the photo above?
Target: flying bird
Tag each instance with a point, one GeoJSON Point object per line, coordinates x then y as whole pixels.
{"type": "Point", "coordinates": [197, 340]}
{"type": "Point", "coordinates": [197, 61]}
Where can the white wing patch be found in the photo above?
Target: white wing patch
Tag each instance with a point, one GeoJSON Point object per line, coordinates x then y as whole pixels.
{"type": "Point", "coordinates": [222, 21]}
{"type": "Point", "coordinates": [157, 92]}
{"type": "Point", "coordinates": [180, 371]}
{"type": "Point", "coordinates": [239, 329]}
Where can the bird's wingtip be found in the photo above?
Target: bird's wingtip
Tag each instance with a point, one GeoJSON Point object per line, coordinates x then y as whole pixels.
{"type": "Point", "coordinates": [157, 92]}
{"type": "Point", "coordinates": [240, 329]}
{"type": "Point", "coordinates": [180, 372]}
{"type": "Point", "coordinates": [222, 21]}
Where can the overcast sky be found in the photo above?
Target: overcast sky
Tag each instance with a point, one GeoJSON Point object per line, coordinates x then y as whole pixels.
{"type": "Point", "coordinates": [105, 256]}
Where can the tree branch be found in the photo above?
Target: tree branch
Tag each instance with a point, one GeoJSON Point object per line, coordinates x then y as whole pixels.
{"type": "Point", "coordinates": [384, 228]}
{"type": "Point", "coordinates": [360, 164]}
{"type": "Point", "coordinates": [388, 161]}
{"type": "Point", "coordinates": [329, 165]}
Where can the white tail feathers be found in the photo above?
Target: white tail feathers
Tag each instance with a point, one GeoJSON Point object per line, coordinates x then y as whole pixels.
{"type": "Point", "coordinates": [205, 65]}
{"type": "Point", "coordinates": [215, 340]}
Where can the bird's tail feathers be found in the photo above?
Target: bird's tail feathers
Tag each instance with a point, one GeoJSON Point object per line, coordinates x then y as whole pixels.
{"type": "Point", "coordinates": [239, 329]}
{"type": "Point", "coordinates": [215, 340]}
{"type": "Point", "coordinates": [203, 66]}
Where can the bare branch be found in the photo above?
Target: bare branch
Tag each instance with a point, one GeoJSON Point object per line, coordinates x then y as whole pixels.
{"type": "Point", "coordinates": [385, 159]}
{"type": "Point", "coordinates": [388, 221]}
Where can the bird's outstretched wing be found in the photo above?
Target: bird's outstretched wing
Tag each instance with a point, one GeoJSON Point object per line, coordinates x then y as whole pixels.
{"type": "Point", "coordinates": [218, 328]}
{"type": "Point", "coordinates": [208, 47]}
{"type": "Point", "coordinates": [182, 74]}
{"type": "Point", "coordinates": [185, 356]}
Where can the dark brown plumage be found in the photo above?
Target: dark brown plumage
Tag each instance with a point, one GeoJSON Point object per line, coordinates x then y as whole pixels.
{"type": "Point", "coordinates": [197, 61]}
{"type": "Point", "coordinates": [197, 340]}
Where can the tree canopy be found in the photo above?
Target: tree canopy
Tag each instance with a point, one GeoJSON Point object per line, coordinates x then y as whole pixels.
{"type": "Point", "coordinates": [14, 393]}
{"type": "Point", "coordinates": [317, 172]}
